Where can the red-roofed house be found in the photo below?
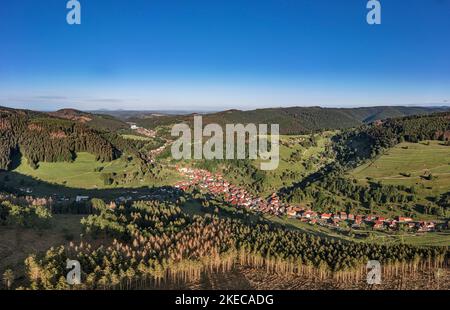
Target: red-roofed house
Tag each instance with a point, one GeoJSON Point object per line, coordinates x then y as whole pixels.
{"type": "Point", "coordinates": [325, 216]}
{"type": "Point", "coordinates": [378, 225]}
{"type": "Point", "coordinates": [404, 219]}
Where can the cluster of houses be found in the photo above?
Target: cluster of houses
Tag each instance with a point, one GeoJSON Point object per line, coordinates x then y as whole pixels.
{"type": "Point", "coordinates": [358, 221]}
{"type": "Point", "coordinates": [236, 196]}
{"type": "Point", "coordinates": [216, 185]}
{"type": "Point", "coordinates": [159, 150]}
{"type": "Point", "coordinates": [142, 131]}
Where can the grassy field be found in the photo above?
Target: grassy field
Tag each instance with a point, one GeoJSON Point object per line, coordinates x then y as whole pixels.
{"type": "Point", "coordinates": [136, 137]}
{"type": "Point", "coordinates": [85, 172]}
{"type": "Point", "coordinates": [80, 174]}
{"type": "Point", "coordinates": [408, 164]}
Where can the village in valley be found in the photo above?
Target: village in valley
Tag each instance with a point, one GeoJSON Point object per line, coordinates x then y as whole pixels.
{"type": "Point", "coordinates": [239, 197]}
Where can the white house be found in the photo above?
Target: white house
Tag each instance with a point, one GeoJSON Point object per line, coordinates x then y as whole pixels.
{"type": "Point", "coordinates": [81, 198]}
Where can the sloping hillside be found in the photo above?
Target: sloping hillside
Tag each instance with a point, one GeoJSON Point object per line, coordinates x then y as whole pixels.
{"type": "Point", "coordinates": [96, 121]}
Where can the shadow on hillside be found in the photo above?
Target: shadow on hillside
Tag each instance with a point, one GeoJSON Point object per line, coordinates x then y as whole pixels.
{"type": "Point", "coordinates": [19, 184]}
{"type": "Point", "coordinates": [16, 159]}
{"type": "Point", "coordinates": [305, 182]}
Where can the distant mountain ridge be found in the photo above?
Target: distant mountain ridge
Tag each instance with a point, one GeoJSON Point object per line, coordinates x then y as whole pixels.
{"type": "Point", "coordinates": [292, 120]}
{"type": "Point", "coordinates": [295, 120]}
{"type": "Point", "coordinates": [126, 114]}
{"type": "Point", "coordinates": [371, 114]}
{"type": "Point", "coordinates": [72, 114]}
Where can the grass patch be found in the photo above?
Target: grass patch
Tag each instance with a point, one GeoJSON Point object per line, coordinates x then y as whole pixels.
{"type": "Point", "coordinates": [136, 137]}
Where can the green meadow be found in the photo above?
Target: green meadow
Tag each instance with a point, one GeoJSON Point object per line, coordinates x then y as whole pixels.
{"type": "Point", "coordinates": [410, 164]}
{"type": "Point", "coordinates": [85, 172]}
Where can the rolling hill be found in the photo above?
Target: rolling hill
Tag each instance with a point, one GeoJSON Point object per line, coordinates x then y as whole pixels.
{"type": "Point", "coordinates": [96, 121]}
{"type": "Point", "coordinates": [41, 137]}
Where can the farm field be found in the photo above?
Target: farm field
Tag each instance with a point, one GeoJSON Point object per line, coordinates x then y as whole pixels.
{"type": "Point", "coordinates": [408, 164]}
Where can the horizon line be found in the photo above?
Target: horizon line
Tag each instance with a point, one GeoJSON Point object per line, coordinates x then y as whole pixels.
{"type": "Point", "coordinates": [224, 109]}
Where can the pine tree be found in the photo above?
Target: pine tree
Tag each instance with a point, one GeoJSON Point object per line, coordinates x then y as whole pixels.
{"type": "Point", "coordinates": [8, 278]}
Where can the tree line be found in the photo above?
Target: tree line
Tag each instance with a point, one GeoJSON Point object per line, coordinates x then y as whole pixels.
{"type": "Point", "coordinates": [30, 213]}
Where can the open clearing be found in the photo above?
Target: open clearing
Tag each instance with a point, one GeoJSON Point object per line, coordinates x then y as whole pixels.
{"type": "Point", "coordinates": [17, 243]}
{"type": "Point", "coordinates": [85, 172]}
{"type": "Point", "coordinates": [80, 173]}
{"type": "Point", "coordinates": [408, 164]}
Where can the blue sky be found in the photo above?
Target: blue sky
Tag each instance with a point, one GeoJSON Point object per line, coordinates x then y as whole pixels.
{"type": "Point", "coordinates": [219, 54]}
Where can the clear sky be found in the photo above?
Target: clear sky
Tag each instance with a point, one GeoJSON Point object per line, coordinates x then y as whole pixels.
{"type": "Point", "coordinates": [219, 54]}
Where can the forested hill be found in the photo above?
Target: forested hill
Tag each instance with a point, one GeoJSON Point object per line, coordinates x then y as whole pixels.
{"type": "Point", "coordinates": [41, 137]}
{"type": "Point", "coordinates": [296, 120]}
{"type": "Point", "coordinates": [371, 114]}
{"type": "Point", "coordinates": [96, 121]}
